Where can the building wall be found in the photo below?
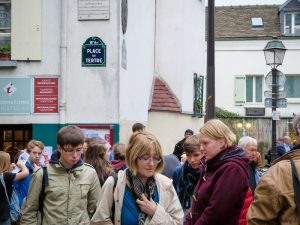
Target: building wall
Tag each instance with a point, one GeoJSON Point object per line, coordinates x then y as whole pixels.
{"type": "Point", "coordinates": [169, 127]}
{"type": "Point", "coordinates": [247, 57]}
{"type": "Point", "coordinates": [171, 46]}
{"type": "Point", "coordinates": [163, 38]}
{"type": "Point", "coordinates": [179, 46]}
{"type": "Point", "coordinates": [91, 92]}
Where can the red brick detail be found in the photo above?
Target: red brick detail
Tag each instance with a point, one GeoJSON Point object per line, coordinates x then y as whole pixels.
{"type": "Point", "coordinates": [163, 99]}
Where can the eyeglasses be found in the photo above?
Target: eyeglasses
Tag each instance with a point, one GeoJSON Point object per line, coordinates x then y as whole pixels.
{"type": "Point", "coordinates": [148, 158]}
{"type": "Point", "coordinates": [71, 151]}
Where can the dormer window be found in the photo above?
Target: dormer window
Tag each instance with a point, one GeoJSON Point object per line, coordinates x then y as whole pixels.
{"type": "Point", "coordinates": [292, 23]}
{"type": "Point", "coordinates": [257, 22]}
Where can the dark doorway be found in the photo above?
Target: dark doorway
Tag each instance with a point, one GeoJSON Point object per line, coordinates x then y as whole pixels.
{"type": "Point", "coordinates": [14, 138]}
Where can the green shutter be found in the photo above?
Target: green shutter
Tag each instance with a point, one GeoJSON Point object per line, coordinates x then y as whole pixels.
{"type": "Point", "coordinates": [239, 90]}
{"type": "Point", "coordinates": [26, 33]}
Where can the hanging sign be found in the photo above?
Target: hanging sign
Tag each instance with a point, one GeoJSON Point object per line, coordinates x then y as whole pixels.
{"type": "Point", "coordinates": [93, 52]}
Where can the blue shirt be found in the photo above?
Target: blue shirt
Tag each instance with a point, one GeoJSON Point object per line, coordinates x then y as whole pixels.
{"type": "Point", "coordinates": [22, 186]}
{"type": "Point", "coordinates": [130, 210]}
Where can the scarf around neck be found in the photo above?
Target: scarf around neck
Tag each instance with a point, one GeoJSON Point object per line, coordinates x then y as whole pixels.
{"type": "Point", "coordinates": [187, 183]}
{"type": "Point", "coordinates": [137, 188]}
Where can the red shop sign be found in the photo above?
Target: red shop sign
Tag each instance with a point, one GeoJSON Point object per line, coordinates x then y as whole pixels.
{"type": "Point", "coordinates": [45, 95]}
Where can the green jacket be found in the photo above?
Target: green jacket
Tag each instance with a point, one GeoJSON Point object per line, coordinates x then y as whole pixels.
{"type": "Point", "coordinates": [71, 197]}
{"type": "Point", "coordinates": [274, 199]}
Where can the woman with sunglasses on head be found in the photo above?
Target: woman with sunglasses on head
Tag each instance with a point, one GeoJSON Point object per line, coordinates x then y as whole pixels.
{"type": "Point", "coordinates": [141, 195]}
{"type": "Point", "coordinates": [220, 192]}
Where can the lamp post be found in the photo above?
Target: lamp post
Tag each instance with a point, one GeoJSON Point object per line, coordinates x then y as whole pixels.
{"type": "Point", "coordinates": [274, 54]}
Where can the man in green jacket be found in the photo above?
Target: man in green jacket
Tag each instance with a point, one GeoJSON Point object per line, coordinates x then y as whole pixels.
{"type": "Point", "coordinates": [72, 194]}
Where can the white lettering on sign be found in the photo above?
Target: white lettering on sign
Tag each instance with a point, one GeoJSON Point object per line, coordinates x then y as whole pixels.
{"type": "Point", "coordinates": [93, 51]}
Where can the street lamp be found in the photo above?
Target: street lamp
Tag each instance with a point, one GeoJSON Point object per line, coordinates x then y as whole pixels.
{"type": "Point", "coordinates": [245, 127]}
{"type": "Point", "coordinates": [274, 54]}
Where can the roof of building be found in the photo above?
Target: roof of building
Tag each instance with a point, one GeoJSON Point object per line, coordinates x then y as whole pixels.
{"type": "Point", "coordinates": [163, 99]}
{"type": "Point", "coordinates": [234, 22]}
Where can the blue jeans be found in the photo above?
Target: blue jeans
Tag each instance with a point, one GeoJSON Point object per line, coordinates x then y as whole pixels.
{"type": "Point", "coordinates": [5, 222]}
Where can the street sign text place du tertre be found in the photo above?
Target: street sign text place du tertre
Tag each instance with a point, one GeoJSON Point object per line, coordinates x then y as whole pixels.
{"type": "Point", "coordinates": [93, 52]}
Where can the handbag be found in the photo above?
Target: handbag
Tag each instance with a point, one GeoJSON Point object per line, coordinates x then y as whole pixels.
{"type": "Point", "coordinates": [13, 202]}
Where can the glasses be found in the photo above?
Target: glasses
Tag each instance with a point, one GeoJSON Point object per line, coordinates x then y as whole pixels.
{"type": "Point", "coordinates": [71, 151]}
{"type": "Point", "coordinates": [148, 159]}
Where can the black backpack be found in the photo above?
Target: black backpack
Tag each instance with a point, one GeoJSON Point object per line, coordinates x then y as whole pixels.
{"type": "Point", "coordinates": [45, 183]}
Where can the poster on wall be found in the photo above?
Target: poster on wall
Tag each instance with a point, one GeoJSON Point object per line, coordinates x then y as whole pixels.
{"type": "Point", "coordinates": [45, 95]}
{"type": "Point", "coordinates": [15, 95]}
{"type": "Point", "coordinates": [103, 132]}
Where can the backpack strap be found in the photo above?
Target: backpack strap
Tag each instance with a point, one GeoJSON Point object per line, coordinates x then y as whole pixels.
{"type": "Point", "coordinates": [115, 176]}
{"type": "Point", "coordinates": [45, 183]}
{"type": "Point", "coordinates": [296, 185]}
{"type": "Point", "coordinates": [4, 187]}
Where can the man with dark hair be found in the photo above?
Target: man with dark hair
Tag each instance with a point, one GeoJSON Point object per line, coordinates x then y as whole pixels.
{"type": "Point", "coordinates": [276, 201]}
{"type": "Point", "coordinates": [178, 149]}
{"type": "Point", "coordinates": [73, 191]}
{"type": "Point", "coordinates": [138, 127]}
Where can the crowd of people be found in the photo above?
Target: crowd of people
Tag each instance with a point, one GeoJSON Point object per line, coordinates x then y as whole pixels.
{"type": "Point", "coordinates": [211, 178]}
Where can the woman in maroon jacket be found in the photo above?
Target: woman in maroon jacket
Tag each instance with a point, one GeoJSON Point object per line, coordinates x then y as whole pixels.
{"type": "Point", "coordinates": [220, 192]}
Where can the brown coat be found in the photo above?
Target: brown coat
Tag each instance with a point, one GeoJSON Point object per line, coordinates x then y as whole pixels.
{"type": "Point", "coordinates": [274, 199]}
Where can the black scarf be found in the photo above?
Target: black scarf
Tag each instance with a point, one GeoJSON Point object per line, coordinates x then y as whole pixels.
{"type": "Point", "coordinates": [187, 182]}
{"type": "Point", "coordinates": [137, 189]}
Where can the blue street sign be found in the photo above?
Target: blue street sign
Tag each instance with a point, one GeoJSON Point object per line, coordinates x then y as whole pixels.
{"type": "Point", "coordinates": [93, 52]}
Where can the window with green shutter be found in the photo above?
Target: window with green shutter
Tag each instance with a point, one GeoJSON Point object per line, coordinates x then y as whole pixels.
{"type": "Point", "coordinates": [239, 90]}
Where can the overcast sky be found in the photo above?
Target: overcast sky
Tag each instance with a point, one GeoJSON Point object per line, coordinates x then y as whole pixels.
{"type": "Point", "coordinates": [247, 2]}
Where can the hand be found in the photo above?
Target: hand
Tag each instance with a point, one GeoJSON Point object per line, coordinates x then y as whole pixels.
{"type": "Point", "coordinates": [21, 164]}
{"type": "Point", "coordinates": [12, 166]}
{"type": "Point", "coordinates": [146, 206]}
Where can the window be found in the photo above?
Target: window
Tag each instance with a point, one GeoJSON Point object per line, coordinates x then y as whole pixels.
{"type": "Point", "coordinates": [254, 89]}
{"type": "Point", "coordinates": [14, 138]}
{"type": "Point", "coordinates": [198, 95]}
{"type": "Point", "coordinates": [257, 22]}
{"type": "Point", "coordinates": [291, 86]}
{"type": "Point", "coordinates": [292, 23]}
{"type": "Point", "coordinates": [20, 30]}
{"type": "Point", "coordinates": [5, 29]}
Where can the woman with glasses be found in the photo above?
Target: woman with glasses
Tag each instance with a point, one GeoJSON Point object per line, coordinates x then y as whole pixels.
{"type": "Point", "coordinates": [141, 195]}
{"type": "Point", "coordinates": [219, 195]}
{"type": "Point", "coordinates": [186, 176]}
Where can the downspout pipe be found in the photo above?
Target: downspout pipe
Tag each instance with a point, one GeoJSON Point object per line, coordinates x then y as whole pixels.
{"type": "Point", "coordinates": [63, 63]}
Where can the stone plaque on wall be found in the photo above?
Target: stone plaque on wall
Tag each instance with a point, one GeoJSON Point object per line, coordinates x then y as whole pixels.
{"type": "Point", "coordinates": [93, 9]}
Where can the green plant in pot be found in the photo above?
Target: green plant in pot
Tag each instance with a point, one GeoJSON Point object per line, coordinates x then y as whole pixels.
{"type": "Point", "coordinates": [5, 52]}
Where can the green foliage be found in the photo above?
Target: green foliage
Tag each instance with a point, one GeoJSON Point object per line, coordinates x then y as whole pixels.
{"type": "Point", "coordinates": [5, 48]}
{"type": "Point", "coordinates": [198, 105]}
{"type": "Point", "coordinates": [222, 113]}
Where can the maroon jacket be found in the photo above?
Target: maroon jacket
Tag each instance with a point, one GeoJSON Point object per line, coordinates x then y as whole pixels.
{"type": "Point", "coordinates": [220, 192]}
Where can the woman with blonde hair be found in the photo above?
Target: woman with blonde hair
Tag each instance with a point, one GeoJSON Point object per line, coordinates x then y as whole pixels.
{"type": "Point", "coordinates": [7, 177]}
{"type": "Point", "coordinates": [141, 195]}
{"type": "Point", "coordinates": [220, 192]}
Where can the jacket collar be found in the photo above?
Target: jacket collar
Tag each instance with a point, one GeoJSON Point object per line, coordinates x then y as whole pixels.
{"type": "Point", "coordinates": [289, 155]}
{"type": "Point", "coordinates": [55, 160]}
